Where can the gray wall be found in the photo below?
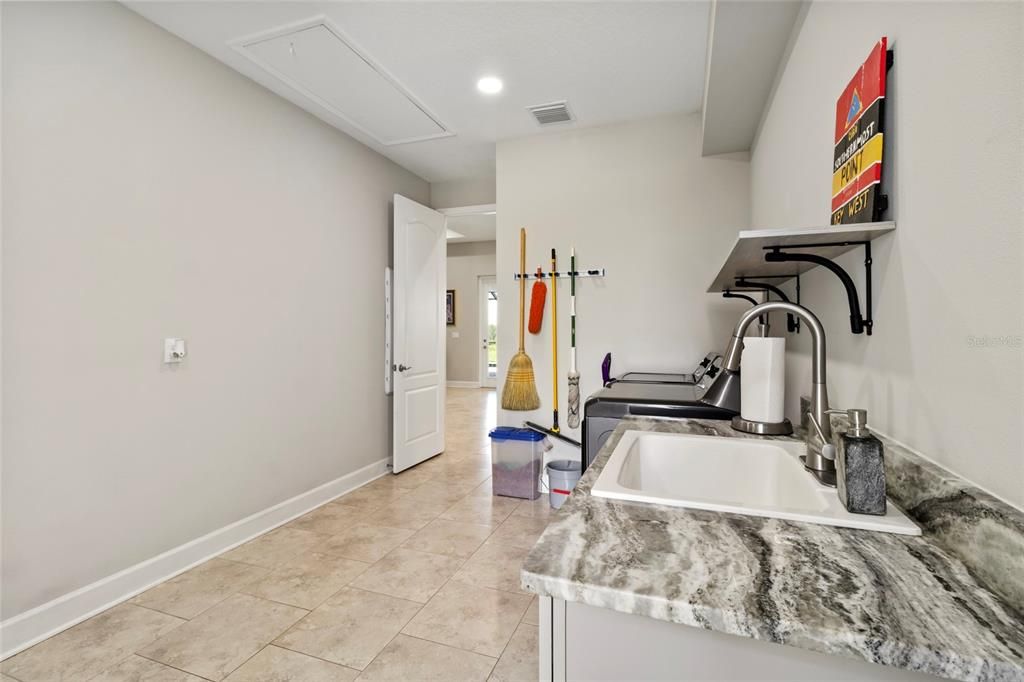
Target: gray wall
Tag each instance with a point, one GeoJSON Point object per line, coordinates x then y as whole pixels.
{"type": "Point", "coordinates": [467, 262]}
{"type": "Point", "coordinates": [468, 192]}
{"type": "Point", "coordinates": [944, 370]}
{"type": "Point", "coordinates": [635, 198]}
{"type": "Point", "coordinates": [151, 191]}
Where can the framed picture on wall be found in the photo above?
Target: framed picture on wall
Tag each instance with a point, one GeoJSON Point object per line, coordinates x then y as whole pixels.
{"type": "Point", "coordinates": [857, 162]}
{"type": "Point", "coordinates": [449, 306]}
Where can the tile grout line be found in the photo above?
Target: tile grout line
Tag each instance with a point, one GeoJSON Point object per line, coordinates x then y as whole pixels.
{"type": "Point", "coordinates": [446, 646]}
{"type": "Point", "coordinates": [163, 664]}
{"type": "Point", "coordinates": [446, 583]}
{"type": "Point", "coordinates": [136, 652]}
{"type": "Point", "coordinates": [308, 655]}
{"type": "Point", "coordinates": [281, 603]}
{"type": "Point", "coordinates": [174, 615]}
{"type": "Point", "coordinates": [508, 643]}
{"type": "Point", "coordinates": [235, 669]}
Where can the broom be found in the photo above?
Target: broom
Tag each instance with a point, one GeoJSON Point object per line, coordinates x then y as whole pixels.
{"type": "Point", "coordinates": [520, 391]}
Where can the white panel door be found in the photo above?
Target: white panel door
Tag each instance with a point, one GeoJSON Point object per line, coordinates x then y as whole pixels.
{"type": "Point", "coordinates": [419, 323]}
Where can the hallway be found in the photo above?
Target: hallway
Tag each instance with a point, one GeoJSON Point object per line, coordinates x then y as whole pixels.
{"type": "Point", "coordinates": [412, 576]}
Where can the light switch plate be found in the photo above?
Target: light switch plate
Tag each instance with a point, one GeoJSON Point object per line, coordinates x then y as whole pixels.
{"type": "Point", "coordinates": [174, 350]}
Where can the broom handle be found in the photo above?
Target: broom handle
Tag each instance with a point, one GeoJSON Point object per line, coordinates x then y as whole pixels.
{"type": "Point", "coordinates": [522, 287]}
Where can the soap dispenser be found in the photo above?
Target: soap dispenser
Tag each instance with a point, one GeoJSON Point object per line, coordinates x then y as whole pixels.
{"type": "Point", "coordinates": [860, 468]}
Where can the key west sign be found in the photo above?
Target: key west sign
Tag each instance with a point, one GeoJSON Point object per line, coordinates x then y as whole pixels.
{"type": "Point", "coordinates": [857, 161]}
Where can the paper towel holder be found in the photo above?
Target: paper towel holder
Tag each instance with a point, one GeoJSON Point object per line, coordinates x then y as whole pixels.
{"type": "Point", "coordinates": [782, 428]}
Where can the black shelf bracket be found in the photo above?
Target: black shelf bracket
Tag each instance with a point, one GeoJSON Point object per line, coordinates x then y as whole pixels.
{"type": "Point", "coordinates": [858, 322]}
{"type": "Point", "coordinates": [728, 293]}
{"type": "Point", "coordinates": [792, 323]}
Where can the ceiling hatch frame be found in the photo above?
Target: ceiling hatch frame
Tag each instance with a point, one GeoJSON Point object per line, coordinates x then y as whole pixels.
{"type": "Point", "coordinates": [242, 44]}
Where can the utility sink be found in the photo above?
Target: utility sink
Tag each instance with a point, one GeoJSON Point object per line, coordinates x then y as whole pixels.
{"type": "Point", "coordinates": [735, 475]}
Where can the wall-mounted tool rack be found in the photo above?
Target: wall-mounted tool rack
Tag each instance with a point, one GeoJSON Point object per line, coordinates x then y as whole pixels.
{"type": "Point", "coordinates": [596, 272]}
{"type": "Point", "coordinates": [781, 255]}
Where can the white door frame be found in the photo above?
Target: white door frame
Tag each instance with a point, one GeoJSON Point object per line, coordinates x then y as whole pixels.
{"type": "Point", "coordinates": [484, 283]}
{"type": "Point", "coordinates": [476, 209]}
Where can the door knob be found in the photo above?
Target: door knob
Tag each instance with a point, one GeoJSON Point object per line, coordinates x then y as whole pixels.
{"type": "Point", "coordinates": [402, 368]}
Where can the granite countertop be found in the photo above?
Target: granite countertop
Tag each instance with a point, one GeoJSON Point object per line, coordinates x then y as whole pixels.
{"type": "Point", "coordinates": [896, 600]}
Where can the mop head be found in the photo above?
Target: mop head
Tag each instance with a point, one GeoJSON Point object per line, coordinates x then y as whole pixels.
{"type": "Point", "coordinates": [574, 400]}
{"type": "Point", "coordinates": [520, 390]}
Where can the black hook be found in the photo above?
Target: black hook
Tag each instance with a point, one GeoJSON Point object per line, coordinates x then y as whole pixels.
{"type": "Point", "coordinates": [792, 323]}
{"type": "Point", "coordinates": [728, 294]}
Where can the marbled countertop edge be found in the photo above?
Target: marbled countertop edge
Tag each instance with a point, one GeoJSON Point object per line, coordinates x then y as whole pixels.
{"type": "Point", "coordinates": [894, 600]}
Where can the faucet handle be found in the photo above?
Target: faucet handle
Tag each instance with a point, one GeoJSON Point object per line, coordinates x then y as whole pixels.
{"type": "Point", "coordinates": [828, 451]}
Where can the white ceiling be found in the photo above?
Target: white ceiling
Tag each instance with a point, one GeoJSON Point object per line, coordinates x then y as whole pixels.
{"type": "Point", "coordinates": [473, 228]}
{"type": "Point", "coordinates": [612, 61]}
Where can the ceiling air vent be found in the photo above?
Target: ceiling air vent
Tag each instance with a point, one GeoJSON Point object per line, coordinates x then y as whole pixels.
{"type": "Point", "coordinates": [548, 114]}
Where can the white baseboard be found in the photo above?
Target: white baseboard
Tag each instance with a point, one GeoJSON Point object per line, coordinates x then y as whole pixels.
{"type": "Point", "coordinates": [463, 384]}
{"type": "Point", "coordinates": [22, 631]}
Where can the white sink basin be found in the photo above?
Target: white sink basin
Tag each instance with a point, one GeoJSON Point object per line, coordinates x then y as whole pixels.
{"type": "Point", "coordinates": [736, 475]}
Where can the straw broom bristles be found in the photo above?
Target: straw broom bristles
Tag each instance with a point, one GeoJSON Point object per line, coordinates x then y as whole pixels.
{"type": "Point", "coordinates": [520, 390]}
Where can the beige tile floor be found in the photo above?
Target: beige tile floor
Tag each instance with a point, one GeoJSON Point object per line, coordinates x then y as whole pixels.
{"type": "Point", "coordinates": [411, 577]}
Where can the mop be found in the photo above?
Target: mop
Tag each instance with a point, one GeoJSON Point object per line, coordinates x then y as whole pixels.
{"type": "Point", "coordinates": [574, 375]}
{"type": "Point", "coordinates": [554, 342]}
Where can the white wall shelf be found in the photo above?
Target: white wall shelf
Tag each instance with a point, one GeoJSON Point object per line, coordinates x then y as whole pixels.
{"type": "Point", "coordinates": [747, 256]}
{"type": "Point", "coordinates": [749, 259]}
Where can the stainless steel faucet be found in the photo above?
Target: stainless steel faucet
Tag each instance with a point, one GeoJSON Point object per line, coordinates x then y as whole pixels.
{"type": "Point", "coordinates": [725, 392]}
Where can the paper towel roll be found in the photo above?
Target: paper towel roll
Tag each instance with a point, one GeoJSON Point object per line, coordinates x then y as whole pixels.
{"type": "Point", "coordinates": [763, 379]}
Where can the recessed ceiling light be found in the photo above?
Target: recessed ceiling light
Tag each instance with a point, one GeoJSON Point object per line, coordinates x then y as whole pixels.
{"type": "Point", "coordinates": [489, 85]}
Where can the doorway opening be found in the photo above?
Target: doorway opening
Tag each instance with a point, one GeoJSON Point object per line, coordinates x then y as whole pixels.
{"type": "Point", "coordinates": [472, 297]}
{"type": "Point", "coordinates": [488, 364]}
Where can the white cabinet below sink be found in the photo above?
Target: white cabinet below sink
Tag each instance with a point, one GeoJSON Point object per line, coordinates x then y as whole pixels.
{"type": "Point", "coordinates": [582, 642]}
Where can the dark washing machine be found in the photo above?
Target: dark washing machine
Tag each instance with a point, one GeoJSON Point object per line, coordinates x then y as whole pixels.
{"type": "Point", "coordinates": [708, 367]}
{"type": "Point", "coordinates": [641, 396]}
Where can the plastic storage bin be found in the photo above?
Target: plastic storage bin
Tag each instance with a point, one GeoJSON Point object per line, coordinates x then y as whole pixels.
{"type": "Point", "coordinates": [517, 457]}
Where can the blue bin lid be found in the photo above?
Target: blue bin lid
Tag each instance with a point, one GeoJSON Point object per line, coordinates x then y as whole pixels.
{"type": "Point", "coordinates": [513, 433]}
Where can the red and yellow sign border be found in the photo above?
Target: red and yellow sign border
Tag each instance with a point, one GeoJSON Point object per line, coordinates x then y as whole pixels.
{"type": "Point", "coordinates": [859, 142]}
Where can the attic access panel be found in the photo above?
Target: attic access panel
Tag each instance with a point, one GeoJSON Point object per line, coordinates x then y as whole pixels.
{"type": "Point", "coordinates": [317, 60]}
